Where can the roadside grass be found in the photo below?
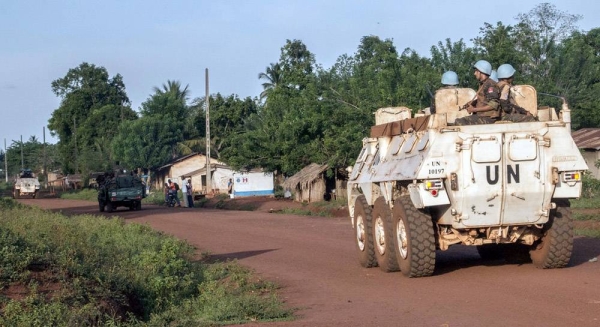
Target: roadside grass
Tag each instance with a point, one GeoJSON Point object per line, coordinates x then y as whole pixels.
{"type": "Point", "coordinates": [4, 186]}
{"type": "Point", "coordinates": [304, 212]}
{"type": "Point", "coordinates": [581, 216]}
{"type": "Point", "coordinates": [586, 203]}
{"type": "Point", "coordinates": [588, 232]}
{"type": "Point", "coordinates": [90, 271]}
{"type": "Point", "coordinates": [88, 194]}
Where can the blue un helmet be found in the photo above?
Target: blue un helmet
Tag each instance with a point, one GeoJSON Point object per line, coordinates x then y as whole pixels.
{"type": "Point", "coordinates": [449, 78]}
{"type": "Point", "coordinates": [484, 67]}
{"type": "Point", "coordinates": [494, 76]}
{"type": "Point", "coordinates": [506, 71]}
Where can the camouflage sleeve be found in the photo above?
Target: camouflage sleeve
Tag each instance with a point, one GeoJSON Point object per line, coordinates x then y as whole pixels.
{"type": "Point", "coordinates": [492, 94]}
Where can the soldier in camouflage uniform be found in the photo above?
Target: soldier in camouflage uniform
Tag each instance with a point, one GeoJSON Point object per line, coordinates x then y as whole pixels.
{"type": "Point", "coordinates": [484, 109]}
{"type": "Point", "coordinates": [511, 111]}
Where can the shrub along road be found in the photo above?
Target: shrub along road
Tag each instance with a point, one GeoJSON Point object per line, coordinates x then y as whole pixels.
{"type": "Point", "coordinates": [314, 260]}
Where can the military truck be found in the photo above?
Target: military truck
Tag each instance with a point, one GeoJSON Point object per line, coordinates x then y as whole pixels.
{"type": "Point", "coordinates": [120, 190]}
{"type": "Point", "coordinates": [422, 184]}
{"type": "Point", "coordinates": [26, 184]}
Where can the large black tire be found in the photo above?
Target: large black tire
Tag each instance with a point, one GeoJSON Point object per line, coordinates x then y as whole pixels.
{"type": "Point", "coordinates": [138, 205]}
{"type": "Point", "coordinates": [555, 247]}
{"type": "Point", "coordinates": [101, 205]}
{"type": "Point", "coordinates": [383, 236]}
{"type": "Point", "coordinates": [363, 231]}
{"type": "Point", "coordinates": [109, 206]}
{"type": "Point", "coordinates": [415, 239]}
{"type": "Point", "coordinates": [34, 195]}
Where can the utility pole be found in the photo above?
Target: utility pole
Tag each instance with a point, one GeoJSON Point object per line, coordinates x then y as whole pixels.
{"type": "Point", "coordinates": [44, 163]}
{"type": "Point", "coordinates": [22, 162]}
{"type": "Point", "coordinates": [75, 136]}
{"type": "Point", "coordinates": [208, 179]}
{"type": "Point", "coordinates": [5, 163]}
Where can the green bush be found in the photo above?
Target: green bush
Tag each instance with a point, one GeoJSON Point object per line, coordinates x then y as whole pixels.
{"type": "Point", "coordinates": [88, 194]}
{"type": "Point", "coordinates": [109, 273]}
{"type": "Point", "coordinates": [591, 187]}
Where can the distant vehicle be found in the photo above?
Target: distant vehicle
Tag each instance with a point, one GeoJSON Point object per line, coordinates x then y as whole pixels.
{"type": "Point", "coordinates": [26, 184]}
{"type": "Point", "coordinates": [121, 190]}
{"type": "Point", "coordinates": [422, 184]}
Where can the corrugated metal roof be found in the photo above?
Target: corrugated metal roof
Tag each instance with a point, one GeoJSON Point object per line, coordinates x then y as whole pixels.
{"type": "Point", "coordinates": [587, 138]}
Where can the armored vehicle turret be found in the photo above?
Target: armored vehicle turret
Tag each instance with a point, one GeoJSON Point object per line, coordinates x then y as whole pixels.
{"type": "Point", "coordinates": [421, 184]}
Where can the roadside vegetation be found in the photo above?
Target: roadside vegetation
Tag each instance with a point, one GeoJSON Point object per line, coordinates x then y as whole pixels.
{"type": "Point", "coordinates": [586, 210]}
{"type": "Point", "coordinates": [90, 271]}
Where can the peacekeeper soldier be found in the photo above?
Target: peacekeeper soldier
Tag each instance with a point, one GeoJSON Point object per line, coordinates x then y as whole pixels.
{"type": "Point", "coordinates": [449, 81]}
{"type": "Point", "coordinates": [511, 111]}
{"type": "Point", "coordinates": [485, 108]}
{"type": "Point", "coordinates": [494, 76]}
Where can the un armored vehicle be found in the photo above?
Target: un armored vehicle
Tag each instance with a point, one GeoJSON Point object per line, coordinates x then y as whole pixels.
{"type": "Point", "coordinates": [120, 190]}
{"type": "Point", "coordinates": [26, 184]}
{"type": "Point", "coordinates": [422, 184]}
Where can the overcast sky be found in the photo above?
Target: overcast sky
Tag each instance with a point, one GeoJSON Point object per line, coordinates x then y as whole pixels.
{"type": "Point", "coordinates": [149, 42]}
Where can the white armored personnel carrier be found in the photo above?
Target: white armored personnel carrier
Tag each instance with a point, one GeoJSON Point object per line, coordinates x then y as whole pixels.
{"type": "Point", "coordinates": [422, 184]}
{"type": "Point", "coordinates": [26, 184]}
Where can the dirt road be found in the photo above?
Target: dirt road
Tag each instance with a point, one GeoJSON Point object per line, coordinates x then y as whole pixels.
{"type": "Point", "coordinates": [314, 260]}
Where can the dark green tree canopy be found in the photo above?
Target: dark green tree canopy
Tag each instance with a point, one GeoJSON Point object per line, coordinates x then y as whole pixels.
{"type": "Point", "coordinates": [92, 105]}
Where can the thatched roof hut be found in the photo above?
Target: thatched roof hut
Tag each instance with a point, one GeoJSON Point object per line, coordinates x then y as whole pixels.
{"type": "Point", "coordinates": [308, 185]}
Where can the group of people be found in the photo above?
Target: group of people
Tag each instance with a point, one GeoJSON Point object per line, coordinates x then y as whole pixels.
{"type": "Point", "coordinates": [494, 100]}
{"type": "Point", "coordinates": [171, 189]}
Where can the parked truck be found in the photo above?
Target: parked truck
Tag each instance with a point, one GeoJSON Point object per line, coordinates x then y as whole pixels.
{"type": "Point", "coordinates": [120, 190]}
{"type": "Point", "coordinates": [26, 184]}
{"type": "Point", "coordinates": [422, 184]}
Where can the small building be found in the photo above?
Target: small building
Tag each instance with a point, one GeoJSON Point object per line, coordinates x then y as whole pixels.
{"type": "Point", "coordinates": [309, 184]}
{"type": "Point", "coordinates": [588, 140]}
{"type": "Point", "coordinates": [253, 183]}
{"type": "Point", "coordinates": [180, 167]}
{"type": "Point", "coordinates": [220, 175]}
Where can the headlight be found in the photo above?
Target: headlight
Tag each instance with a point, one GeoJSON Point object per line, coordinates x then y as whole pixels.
{"type": "Point", "coordinates": [113, 194]}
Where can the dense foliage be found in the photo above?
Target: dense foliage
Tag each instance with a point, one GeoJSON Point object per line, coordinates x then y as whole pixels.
{"type": "Point", "coordinates": [308, 113]}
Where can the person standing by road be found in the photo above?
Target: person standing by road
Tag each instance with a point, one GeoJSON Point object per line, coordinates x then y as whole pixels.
{"type": "Point", "coordinates": [190, 193]}
{"type": "Point", "coordinates": [184, 192]}
{"type": "Point", "coordinates": [230, 186]}
{"type": "Point", "coordinates": [167, 189]}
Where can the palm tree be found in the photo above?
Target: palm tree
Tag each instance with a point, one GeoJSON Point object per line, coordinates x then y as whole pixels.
{"type": "Point", "coordinates": [273, 75]}
{"type": "Point", "coordinates": [174, 88]}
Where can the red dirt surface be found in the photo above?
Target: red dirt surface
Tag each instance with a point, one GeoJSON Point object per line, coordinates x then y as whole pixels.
{"type": "Point", "coordinates": [314, 261]}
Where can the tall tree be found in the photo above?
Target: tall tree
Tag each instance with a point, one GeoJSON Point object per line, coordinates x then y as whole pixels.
{"type": "Point", "coordinates": [497, 44]}
{"type": "Point", "coordinates": [85, 91]}
{"type": "Point", "coordinates": [273, 78]}
{"type": "Point", "coordinates": [148, 142]}
{"type": "Point", "coordinates": [576, 75]}
{"type": "Point", "coordinates": [455, 56]}
{"type": "Point", "coordinates": [171, 101]}
{"type": "Point", "coordinates": [538, 34]}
